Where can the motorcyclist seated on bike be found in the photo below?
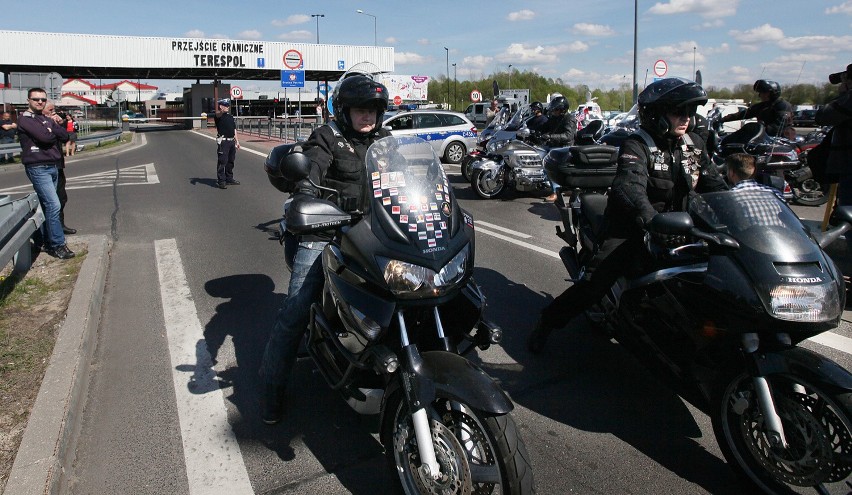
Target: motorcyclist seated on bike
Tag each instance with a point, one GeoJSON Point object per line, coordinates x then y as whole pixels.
{"type": "Point", "coordinates": [775, 113]}
{"type": "Point", "coordinates": [659, 167]}
{"type": "Point", "coordinates": [337, 152]}
{"type": "Point", "coordinates": [538, 119]}
{"type": "Point", "coordinates": [557, 131]}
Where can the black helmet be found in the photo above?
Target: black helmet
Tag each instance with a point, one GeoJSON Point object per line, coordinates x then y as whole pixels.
{"type": "Point", "coordinates": [665, 95]}
{"type": "Point", "coordinates": [558, 103]}
{"type": "Point", "coordinates": [536, 106]}
{"type": "Point", "coordinates": [358, 91]}
{"type": "Point", "coordinates": [771, 87]}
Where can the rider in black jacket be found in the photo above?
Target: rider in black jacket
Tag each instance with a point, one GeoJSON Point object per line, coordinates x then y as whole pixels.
{"type": "Point", "coordinates": [337, 151]}
{"type": "Point", "coordinates": [659, 167]}
{"type": "Point", "coordinates": [772, 111]}
{"type": "Point", "coordinates": [560, 127]}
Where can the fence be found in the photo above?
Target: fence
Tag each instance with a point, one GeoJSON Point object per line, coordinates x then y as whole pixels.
{"type": "Point", "coordinates": [94, 139]}
{"type": "Point", "coordinates": [286, 129]}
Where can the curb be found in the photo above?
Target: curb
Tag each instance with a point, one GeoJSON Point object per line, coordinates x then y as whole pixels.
{"type": "Point", "coordinates": [47, 446]}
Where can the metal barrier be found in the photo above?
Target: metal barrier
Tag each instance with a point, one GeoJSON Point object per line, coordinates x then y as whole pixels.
{"type": "Point", "coordinates": [95, 139]}
{"type": "Point", "coordinates": [19, 219]}
{"type": "Point", "coordinates": [295, 129]}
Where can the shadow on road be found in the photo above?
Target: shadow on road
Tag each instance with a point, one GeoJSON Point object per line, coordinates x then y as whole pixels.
{"type": "Point", "coordinates": [204, 181]}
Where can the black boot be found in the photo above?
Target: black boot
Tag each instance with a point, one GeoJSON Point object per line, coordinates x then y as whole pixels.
{"type": "Point", "coordinates": [65, 229]}
{"type": "Point", "coordinates": [273, 404]}
{"type": "Point", "coordinates": [537, 340]}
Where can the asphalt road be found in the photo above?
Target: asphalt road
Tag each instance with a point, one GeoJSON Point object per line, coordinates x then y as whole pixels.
{"type": "Point", "coordinates": [194, 284]}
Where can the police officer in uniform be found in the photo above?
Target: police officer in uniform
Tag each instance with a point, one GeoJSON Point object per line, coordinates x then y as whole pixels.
{"type": "Point", "coordinates": [337, 151]}
{"type": "Point", "coordinates": [659, 167]}
{"type": "Point", "coordinates": [227, 144]}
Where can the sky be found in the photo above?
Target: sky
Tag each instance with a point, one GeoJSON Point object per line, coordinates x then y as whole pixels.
{"type": "Point", "coordinates": [590, 42]}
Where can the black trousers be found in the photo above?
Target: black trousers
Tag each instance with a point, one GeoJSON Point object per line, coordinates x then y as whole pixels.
{"type": "Point", "coordinates": [225, 154]}
{"type": "Point", "coordinates": [617, 257]}
{"type": "Point", "coordinates": [63, 195]}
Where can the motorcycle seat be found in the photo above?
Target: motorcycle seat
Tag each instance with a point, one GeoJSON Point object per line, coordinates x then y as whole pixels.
{"type": "Point", "coordinates": [593, 207]}
{"type": "Point", "coordinates": [590, 134]}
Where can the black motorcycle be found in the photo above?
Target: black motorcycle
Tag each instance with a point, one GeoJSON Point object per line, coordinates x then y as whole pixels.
{"type": "Point", "coordinates": [728, 291]}
{"type": "Point", "coordinates": [399, 309]}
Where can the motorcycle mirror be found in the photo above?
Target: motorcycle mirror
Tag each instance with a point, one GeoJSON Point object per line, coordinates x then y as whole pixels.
{"type": "Point", "coordinates": [671, 223]}
{"type": "Point", "coordinates": [523, 133]}
{"type": "Point", "coordinates": [295, 166]}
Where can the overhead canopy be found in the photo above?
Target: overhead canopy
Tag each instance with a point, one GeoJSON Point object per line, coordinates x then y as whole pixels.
{"type": "Point", "coordinates": [126, 57]}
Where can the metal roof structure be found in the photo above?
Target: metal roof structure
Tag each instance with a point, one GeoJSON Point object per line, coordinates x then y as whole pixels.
{"type": "Point", "coordinates": [127, 57]}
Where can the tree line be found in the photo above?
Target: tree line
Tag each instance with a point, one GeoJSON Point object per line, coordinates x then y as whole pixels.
{"type": "Point", "coordinates": [457, 93]}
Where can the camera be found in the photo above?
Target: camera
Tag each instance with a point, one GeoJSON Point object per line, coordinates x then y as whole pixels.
{"type": "Point", "coordinates": [836, 78]}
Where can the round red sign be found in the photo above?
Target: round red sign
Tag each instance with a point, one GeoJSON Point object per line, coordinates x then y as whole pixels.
{"type": "Point", "coordinates": [293, 59]}
{"type": "Point", "coordinates": [397, 100]}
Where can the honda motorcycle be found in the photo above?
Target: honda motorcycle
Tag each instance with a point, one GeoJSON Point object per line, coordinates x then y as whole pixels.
{"type": "Point", "coordinates": [725, 298]}
{"type": "Point", "coordinates": [398, 312]}
{"type": "Point", "coordinates": [512, 161]}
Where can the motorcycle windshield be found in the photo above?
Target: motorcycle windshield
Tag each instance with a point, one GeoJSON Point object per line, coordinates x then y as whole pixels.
{"type": "Point", "coordinates": [757, 219]}
{"type": "Point", "coordinates": [409, 184]}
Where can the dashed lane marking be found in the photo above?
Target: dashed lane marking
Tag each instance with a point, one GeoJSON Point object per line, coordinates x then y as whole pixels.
{"type": "Point", "coordinates": [214, 462]}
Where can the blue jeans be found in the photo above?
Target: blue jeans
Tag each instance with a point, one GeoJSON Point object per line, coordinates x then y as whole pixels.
{"type": "Point", "coordinates": [44, 178]}
{"type": "Point", "coordinates": [7, 156]}
{"type": "Point", "coordinates": [306, 282]}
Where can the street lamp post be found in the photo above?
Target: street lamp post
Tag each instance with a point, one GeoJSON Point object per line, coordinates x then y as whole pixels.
{"type": "Point", "coordinates": [455, 84]}
{"type": "Point", "coordinates": [318, 83]}
{"type": "Point", "coordinates": [448, 74]}
{"type": "Point", "coordinates": [510, 76]}
{"type": "Point", "coordinates": [375, 37]}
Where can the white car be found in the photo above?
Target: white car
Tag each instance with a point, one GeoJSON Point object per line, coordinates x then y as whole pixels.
{"type": "Point", "coordinates": [450, 133]}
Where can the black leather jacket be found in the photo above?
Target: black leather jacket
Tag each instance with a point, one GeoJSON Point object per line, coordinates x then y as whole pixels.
{"type": "Point", "coordinates": [645, 185]}
{"type": "Point", "coordinates": [775, 115]}
{"type": "Point", "coordinates": [558, 131]}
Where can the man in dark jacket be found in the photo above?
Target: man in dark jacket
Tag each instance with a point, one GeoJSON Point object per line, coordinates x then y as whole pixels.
{"type": "Point", "coordinates": [8, 129]}
{"type": "Point", "coordinates": [659, 168]}
{"type": "Point", "coordinates": [227, 145]}
{"type": "Point", "coordinates": [838, 113]}
{"type": "Point", "coordinates": [41, 140]}
{"type": "Point", "coordinates": [772, 111]}
{"type": "Point", "coordinates": [337, 151]}
{"type": "Point", "coordinates": [557, 131]}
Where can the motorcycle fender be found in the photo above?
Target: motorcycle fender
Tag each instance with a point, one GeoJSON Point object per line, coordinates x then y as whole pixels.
{"type": "Point", "coordinates": [454, 377]}
{"type": "Point", "coordinates": [808, 365]}
{"type": "Point", "coordinates": [485, 164]}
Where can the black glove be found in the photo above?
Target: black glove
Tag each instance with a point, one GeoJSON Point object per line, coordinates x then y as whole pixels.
{"type": "Point", "coordinates": [668, 240]}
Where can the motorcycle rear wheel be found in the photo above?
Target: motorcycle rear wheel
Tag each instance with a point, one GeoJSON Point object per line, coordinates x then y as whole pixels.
{"type": "Point", "coordinates": [818, 427]}
{"type": "Point", "coordinates": [487, 184]}
{"type": "Point", "coordinates": [811, 193]}
{"type": "Point", "coordinates": [478, 453]}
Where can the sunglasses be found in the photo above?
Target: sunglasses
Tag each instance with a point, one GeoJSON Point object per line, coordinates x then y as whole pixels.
{"type": "Point", "coordinates": [38, 99]}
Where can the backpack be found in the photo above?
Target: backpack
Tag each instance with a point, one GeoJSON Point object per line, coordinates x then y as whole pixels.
{"type": "Point", "coordinates": [817, 160]}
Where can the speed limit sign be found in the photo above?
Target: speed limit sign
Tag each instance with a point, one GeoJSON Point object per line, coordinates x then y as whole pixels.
{"type": "Point", "coordinates": [236, 93]}
{"type": "Point", "coordinates": [475, 96]}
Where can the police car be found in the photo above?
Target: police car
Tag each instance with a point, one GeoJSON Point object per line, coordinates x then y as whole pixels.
{"type": "Point", "coordinates": [450, 133]}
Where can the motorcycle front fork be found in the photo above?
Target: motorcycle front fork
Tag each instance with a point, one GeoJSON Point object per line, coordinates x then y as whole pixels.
{"type": "Point", "coordinates": [419, 399]}
{"type": "Point", "coordinates": [773, 428]}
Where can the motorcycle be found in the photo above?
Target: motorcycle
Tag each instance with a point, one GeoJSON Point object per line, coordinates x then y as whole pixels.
{"type": "Point", "coordinates": [504, 127]}
{"type": "Point", "coordinates": [778, 160]}
{"type": "Point", "coordinates": [719, 316]}
{"type": "Point", "coordinates": [398, 312]}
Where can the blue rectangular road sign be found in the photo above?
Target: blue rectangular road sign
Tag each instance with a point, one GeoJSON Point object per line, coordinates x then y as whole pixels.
{"type": "Point", "coordinates": [292, 78]}
{"type": "Point", "coordinates": [341, 65]}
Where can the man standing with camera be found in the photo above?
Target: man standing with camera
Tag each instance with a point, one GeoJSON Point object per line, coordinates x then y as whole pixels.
{"type": "Point", "coordinates": [227, 144]}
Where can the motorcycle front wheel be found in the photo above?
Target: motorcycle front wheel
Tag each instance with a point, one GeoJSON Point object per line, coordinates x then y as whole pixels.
{"type": "Point", "coordinates": [467, 166]}
{"type": "Point", "coordinates": [487, 183]}
{"type": "Point", "coordinates": [477, 453]}
{"type": "Point", "coordinates": [817, 427]}
{"type": "Point", "coordinates": [811, 193]}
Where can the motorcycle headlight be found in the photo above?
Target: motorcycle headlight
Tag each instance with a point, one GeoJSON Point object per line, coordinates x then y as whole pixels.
{"type": "Point", "coordinates": [493, 145]}
{"type": "Point", "coordinates": [805, 303]}
{"type": "Point", "coordinates": [405, 278]}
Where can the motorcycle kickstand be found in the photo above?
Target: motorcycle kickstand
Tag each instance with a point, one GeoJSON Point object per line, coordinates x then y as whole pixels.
{"type": "Point", "coordinates": [774, 430]}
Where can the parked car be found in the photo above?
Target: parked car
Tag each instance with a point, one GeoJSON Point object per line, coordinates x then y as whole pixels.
{"type": "Point", "coordinates": [804, 118]}
{"type": "Point", "coordinates": [475, 112]}
{"type": "Point", "coordinates": [450, 133]}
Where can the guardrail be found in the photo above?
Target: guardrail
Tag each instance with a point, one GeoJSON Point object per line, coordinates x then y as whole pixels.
{"type": "Point", "coordinates": [95, 139]}
{"type": "Point", "coordinates": [293, 128]}
{"type": "Point", "coordinates": [19, 219]}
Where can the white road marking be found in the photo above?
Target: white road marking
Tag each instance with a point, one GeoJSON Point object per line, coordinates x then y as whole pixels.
{"type": "Point", "coordinates": [214, 462]}
{"type": "Point", "coordinates": [129, 176]}
{"type": "Point", "coordinates": [835, 341]}
{"type": "Point", "coordinates": [504, 229]}
{"type": "Point", "coordinates": [242, 148]}
{"type": "Point", "coordinates": [527, 245]}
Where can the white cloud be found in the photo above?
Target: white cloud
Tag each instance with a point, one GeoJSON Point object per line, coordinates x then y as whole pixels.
{"type": "Point", "coordinates": [709, 9]}
{"type": "Point", "coordinates": [293, 19]}
{"type": "Point", "coordinates": [194, 33]}
{"type": "Point", "coordinates": [723, 48]}
{"type": "Point", "coordinates": [476, 62]}
{"type": "Point", "coordinates": [424, 42]}
{"type": "Point", "coordinates": [404, 58]}
{"type": "Point", "coordinates": [816, 43]}
{"type": "Point", "coordinates": [678, 53]}
{"type": "Point", "coordinates": [713, 24]}
{"type": "Point", "coordinates": [390, 40]}
{"type": "Point", "coordinates": [300, 35]}
{"type": "Point", "coordinates": [586, 29]}
{"type": "Point", "coordinates": [521, 15]}
{"type": "Point", "coordinates": [843, 8]}
{"type": "Point", "coordinates": [251, 34]}
{"type": "Point", "coordinates": [760, 34]}
{"type": "Point", "coordinates": [219, 36]}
